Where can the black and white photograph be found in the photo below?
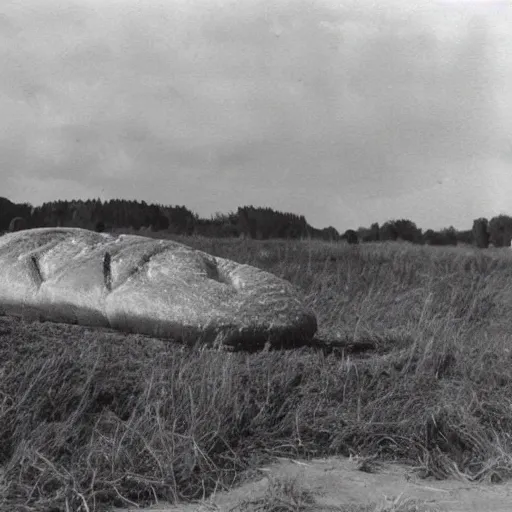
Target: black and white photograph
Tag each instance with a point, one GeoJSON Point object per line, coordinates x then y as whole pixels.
{"type": "Point", "coordinates": [255, 255]}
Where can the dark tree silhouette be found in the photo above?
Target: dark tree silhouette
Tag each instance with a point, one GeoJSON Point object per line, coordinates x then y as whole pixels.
{"type": "Point", "coordinates": [481, 233]}
{"type": "Point", "coordinates": [500, 230]}
{"type": "Point", "coordinates": [351, 236]}
{"type": "Point", "coordinates": [403, 229]}
{"type": "Point", "coordinates": [247, 221]}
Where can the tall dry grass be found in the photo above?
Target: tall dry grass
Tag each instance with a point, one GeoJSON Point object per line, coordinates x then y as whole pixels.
{"type": "Point", "coordinates": [422, 374]}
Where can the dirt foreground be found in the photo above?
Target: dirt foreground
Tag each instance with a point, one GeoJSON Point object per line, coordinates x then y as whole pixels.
{"type": "Point", "coordinates": [338, 482]}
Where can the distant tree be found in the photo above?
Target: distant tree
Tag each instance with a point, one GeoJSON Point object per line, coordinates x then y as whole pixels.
{"type": "Point", "coordinates": [100, 226]}
{"type": "Point", "coordinates": [154, 217]}
{"type": "Point", "coordinates": [388, 231]}
{"type": "Point", "coordinates": [500, 230]}
{"type": "Point", "coordinates": [265, 223]}
{"type": "Point", "coordinates": [227, 230]}
{"type": "Point", "coordinates": [401, 229]}
{"type": "Point", "coordinates": [181, 219]}
{"type": "Point", "coordinates": [351, 236]}
{"type": "Point", "coordinates": [80, 215]}
{"type": "Point", "coordinates": [429, 237]}
{"type": "Point", "coordinates": [374, 232]}
{"type": "Point", "coordinates": [59, 213]}
{"type": "Point", "coordinates": [370, 234]}
{"type": "Point", "coordinates": [481, 233]}
{"type": "Point", "coordinates": [465, 237]}
{"type": "Point", "coordinates": [162, 223]}
{"type": "Point", "coordinates": [330, 234]}
{"type": "Point", "coordinates": [244, 223]}
{"type": "Point", "coordinates": [447, 236]}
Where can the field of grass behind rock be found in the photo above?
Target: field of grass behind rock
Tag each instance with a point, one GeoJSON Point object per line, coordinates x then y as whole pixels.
{"type": "Point", "coordinates": [420, 371]}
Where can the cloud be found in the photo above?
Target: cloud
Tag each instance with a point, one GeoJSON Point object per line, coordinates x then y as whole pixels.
{"type": "Point", "coordinates": [348, 113]}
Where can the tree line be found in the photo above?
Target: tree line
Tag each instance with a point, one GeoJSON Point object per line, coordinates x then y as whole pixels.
{"type": "Point", "coordinates": [247, 222]}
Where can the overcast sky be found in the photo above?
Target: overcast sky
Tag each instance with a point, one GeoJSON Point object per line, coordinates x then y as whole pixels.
{"type": "Point", "coordinates": [349, 112]}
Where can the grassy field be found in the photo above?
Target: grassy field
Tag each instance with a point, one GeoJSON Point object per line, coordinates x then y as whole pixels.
{"type": "Point", "coordinates": [412, 363]}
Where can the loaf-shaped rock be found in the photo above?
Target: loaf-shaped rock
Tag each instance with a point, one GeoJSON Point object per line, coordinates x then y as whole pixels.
{"type": "Point", "coordinates": [156, 287]}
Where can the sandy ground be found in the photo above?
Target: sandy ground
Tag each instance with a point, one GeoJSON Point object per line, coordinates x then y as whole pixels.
{"type": "Point", "coordinates": [338, 481]}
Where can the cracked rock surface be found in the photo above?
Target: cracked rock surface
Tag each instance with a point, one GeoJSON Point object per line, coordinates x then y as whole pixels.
{"type": "Point", "coordinates": [157, 287]}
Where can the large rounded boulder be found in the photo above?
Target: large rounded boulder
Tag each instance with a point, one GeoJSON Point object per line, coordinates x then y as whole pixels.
{"type": "Point", "coordinates": [156, 287]}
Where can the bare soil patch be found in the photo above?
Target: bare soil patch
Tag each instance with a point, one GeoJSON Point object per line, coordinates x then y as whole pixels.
{"type": "Point", "coordinates": [339, 483]}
